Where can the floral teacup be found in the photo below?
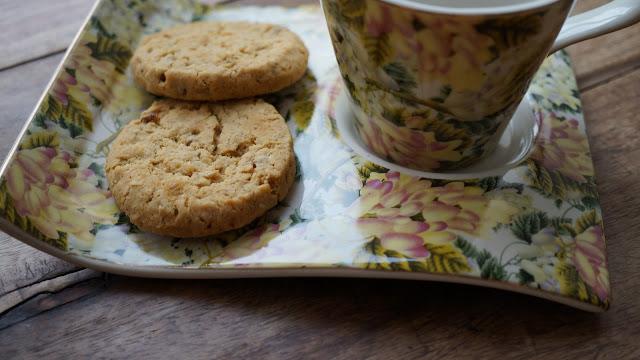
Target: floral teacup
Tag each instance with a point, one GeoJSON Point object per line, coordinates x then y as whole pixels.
{"type": "Point", "coordinates": [433, 84]}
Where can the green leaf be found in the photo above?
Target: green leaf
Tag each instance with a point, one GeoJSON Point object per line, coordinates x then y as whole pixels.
{"type": "Point", "coordinates": [446, 258]}
{"type": "Point", "coordinates": [302, 112]}
{"type": "Point", "coordinates": [96, 24]}
{"type": "Point", "coordinates": [526, 225]}
{"type": "Point", "coordinates": [298, 169]}
{"type": "Point", "coordinates": [296, 218]}
{"type": "Point", "coordinates": [445, 91]}
{"type": "Point", "coordinates": [378, 48]}
{"type": "Point", "coordinates": [76, 117]}
{"type": "Point", "coordinates": [40, 139]}
{"type": "Point", "coordinates": [400, 75]}
{"type": "Point", "coordinates": [467, 248]}
{"type": "Point", "coordinates": [97, 169]}
{"type": "Point", "coordinates": [524, 277]}
{"type": "Point", "coordinates": [558, 203]}
{"type": "Point", "coordinates": [489, 183]}
{"type": "Point", "coordinates": [555, 185]}
{"type": "Point", "coordinates": [111, 50]}
{"type": "Point", "coordinates": [50, 109]}
{"type": "Point", "coordinates": [586, 220]}
{"type": "Point", "coordinates": [491, 269]}
{"type": "Point", "coordinates": [508, 32]}
{"type": "Point", "coordinates": [563, 226]}
{"type": "Point", "coordinates": [123, 219]}
{"type": "Point", "coordinates": [590, 202]}
{"type": "Point", "coordinates": [367, 167]}
{"type": "Point", "coordinates": [571, 284]}
{"type": "Point", "coordinates": [394, 115]}
{"type": "Point", "coordinates": [348, 12]}
{"type": "Point", "coordinates": [351, 87]}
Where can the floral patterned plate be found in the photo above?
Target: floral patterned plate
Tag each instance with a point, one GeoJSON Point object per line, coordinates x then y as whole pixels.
{"type": "Point", "coordinates": [536, 230]}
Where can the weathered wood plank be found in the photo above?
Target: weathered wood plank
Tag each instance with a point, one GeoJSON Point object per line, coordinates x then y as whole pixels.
{"type": "Point", "coordinates": [29, 301]}
{"type": "Point", "coordinates": [20, 90]}
{"type": "Point", "coordinates": [35, 28]}
{"type": "Point", "coordinates": [600, 59]}
{"type": "Point", "coordinates": [21, 265]}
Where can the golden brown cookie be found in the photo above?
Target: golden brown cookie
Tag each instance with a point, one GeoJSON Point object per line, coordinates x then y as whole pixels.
{"type": "Point", "coordinates": [194, 169]}
{"type": "Point", "coordinates": [210, 61]}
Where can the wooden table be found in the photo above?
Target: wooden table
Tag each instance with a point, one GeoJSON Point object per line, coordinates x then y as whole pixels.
{"type": "Point", "coordinates": [49, 308]}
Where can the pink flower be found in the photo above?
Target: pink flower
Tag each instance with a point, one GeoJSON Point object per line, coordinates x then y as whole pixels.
{"type": "Point", "coordinates": [56, 198]}
{"type": "Point", "coordinates": [406, 213]}
{"type": "Point", "coordinates": [562, 147]}
{"type": "Point", "coordinates": [589, 258]}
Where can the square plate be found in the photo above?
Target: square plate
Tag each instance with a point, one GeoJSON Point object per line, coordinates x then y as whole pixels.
{"type": "Point", "coordinates": [536, 230]}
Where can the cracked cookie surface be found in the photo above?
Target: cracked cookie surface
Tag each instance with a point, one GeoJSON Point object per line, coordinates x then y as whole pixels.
{"type": "Point", "coordinates": [209, 61]}
{"type": "Point", "coordinates": [188, 169]}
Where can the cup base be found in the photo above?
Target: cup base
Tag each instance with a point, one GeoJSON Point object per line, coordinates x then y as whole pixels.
{"type": "Point", "coordinates": [515, 145]}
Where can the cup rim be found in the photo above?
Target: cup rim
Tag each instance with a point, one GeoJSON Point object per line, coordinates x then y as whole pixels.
{"type": "Point", "coordinates": [488, 10]}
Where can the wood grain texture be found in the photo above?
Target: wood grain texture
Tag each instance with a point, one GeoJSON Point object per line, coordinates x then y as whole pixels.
{"type": "Point", "coordinates": [36, 28]}
{"type": "Point", "coordinates": [608, 56]}
{"type": "Point", "coordinates": [53, 310]}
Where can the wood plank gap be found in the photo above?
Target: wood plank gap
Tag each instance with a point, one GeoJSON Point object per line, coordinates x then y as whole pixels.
{"type": "Point", "coordinates": [46, 278]}
{"type": "Point", "coordinates": [17, 297]}
{"type": "Point", "coordinates": [618, 74]}
{"type": "Point", "coordinates": [25, 62]}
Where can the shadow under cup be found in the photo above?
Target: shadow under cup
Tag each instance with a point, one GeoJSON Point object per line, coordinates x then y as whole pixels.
{"type": "Point", "coordinates": [435, 91]}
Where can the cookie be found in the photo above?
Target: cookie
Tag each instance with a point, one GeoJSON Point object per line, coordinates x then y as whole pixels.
{"type": "Point", "coordinates": [189, 169]}
{"type": "Point", "coordinates": [209, 61]}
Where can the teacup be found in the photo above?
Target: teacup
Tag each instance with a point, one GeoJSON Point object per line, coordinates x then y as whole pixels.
{"type": "Point", "coordinates": [434, 83]}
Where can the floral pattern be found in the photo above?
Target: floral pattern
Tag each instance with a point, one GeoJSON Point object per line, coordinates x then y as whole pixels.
{"type": "Point", "coordinates": [436, 91]}
{"type": "Point", "coordinates": [539, 227]}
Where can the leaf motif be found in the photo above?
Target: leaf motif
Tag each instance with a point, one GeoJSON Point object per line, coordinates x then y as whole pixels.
{"type": "Point", "coordinates": [446, 132]}
{"type": "Point", "coordinates": [302, 112]}
{"type": "Point", "coordinates": [97, 25]}
{"type": "Point", "coordinates": [365, 168]}
{"type": "Point", "coordinates": [446, 258]}
{"type": "Point", "coordinates": [40, 138]}
{"type": "Point", "coordinates": [50, 109]}
{"type": "Point", "coordinates": [378, 48]}
{"type": "Point", "coordinates": [467, 248]}
{"type": "Point", "coordinates": [349, 12]}
{"type": "Point", "coordinates": [572, 284]}
{"type": "Point", "coordinates": [76, 117]}
{"type": "Point", "coordinates": [398, 261]}
{"type": "Point", "coordinates": [586, 220]}
{"type": "Point", "coordinates": [491, 268]}
{"type": "Point", "coordinates": [590, 202]}
{"type": "Point", "coordinates": [526, 225]}
{"type": "Point", "coordinates": [401, 76]}
{"type": "Point", "coordinates": [524, 277]}
{"type": "Point", "coordinates": [512, 31]}
{"type": "Point", "coordinates": [199, 11]}
{"type": "Point", "coordinates": [108, 49]}
{"type": "Point", "coordinates": [554, 184]}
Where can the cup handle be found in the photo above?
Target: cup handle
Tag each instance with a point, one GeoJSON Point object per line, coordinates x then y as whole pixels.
{"type": "Point", "coordinates": [607, 18]}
